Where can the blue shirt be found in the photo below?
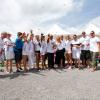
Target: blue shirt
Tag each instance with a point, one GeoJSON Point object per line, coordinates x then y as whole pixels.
{"type": "Point", "coordinates": [18, 44]}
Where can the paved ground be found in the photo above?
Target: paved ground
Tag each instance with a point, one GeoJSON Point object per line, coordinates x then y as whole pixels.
{"type": "Point", "coordinates": [51, 85]}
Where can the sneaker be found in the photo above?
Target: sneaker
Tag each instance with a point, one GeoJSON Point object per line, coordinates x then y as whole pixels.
{"type": "Point", "coordinates": [69, 67]}
{"type": "Point", "coordinates": [7, 72]}
{"type": "Point", "coordinates": [17, 70]}
{"type": "Point", "coordinates": [1, 70]}
{"type": "Point", "coordinates": [88, 67]}
{"type": "Point", "coordinates": [56, 66]}
{"type": "Point", "coordinates": [20, 68]}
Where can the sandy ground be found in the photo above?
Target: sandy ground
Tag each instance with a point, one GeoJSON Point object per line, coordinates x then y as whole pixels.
{"type": "Point", "coordinates": [51, 85]}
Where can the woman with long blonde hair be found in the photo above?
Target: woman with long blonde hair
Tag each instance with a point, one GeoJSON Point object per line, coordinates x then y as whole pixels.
{"type": "Point", "coordinates": [59, 52]}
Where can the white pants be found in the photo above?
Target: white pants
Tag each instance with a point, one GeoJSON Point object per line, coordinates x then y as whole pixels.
{"type": "Point", "coordinates": [31, 59]}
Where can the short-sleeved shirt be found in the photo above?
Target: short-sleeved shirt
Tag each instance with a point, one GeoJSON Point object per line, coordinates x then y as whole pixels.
{"type": "Point", "coordinates": [68, 46]}
{"type": "Point", "coordinates": [37, 45]}
{"type": "Point", "coordinates": [60, 46]}
{"type": "Point", "coordinates": [75, 43]}
{"type": "Point", "coordinates": [93, 44]}
{"type": "Point", "coordinates": [8, 42]}
{"type": "Point", "coordinates": [18, 44]}
{"type": "Point", "coordinates": [50, 45]}
{"type": "Point", "coordinates": [85, 43]}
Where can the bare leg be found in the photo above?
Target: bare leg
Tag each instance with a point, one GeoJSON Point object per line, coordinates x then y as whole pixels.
{"type": "Point", "coordinates": [25, 62]}
{"type": "Point", "coordinates": [37, 60]}
{"type": "Point", "coordinates": [7, 61]}
{"type": "Point", "coordinates": [10, 64]}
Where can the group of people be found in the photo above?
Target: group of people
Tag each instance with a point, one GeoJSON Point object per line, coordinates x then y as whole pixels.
{"type": "Point", "coordinates": [47, 52]}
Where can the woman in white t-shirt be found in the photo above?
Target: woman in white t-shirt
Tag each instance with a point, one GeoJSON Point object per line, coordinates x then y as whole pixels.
{"type": "Point", "coordinates": [76, 51]}
{"type": "Point", "coordinates": [59, 52]}
{"type": "Point", "coordinates": [69, 51]}
{"type": "Point", "coordinates": [43, 51]}
{"type": "Point", "coordinates": [9, 52]}
{"type": "Point", "coordinates": [25, 53]}
{"type": "Point", "coordinates": [50, 51]}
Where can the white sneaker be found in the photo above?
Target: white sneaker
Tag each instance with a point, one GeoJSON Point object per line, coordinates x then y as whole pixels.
{"type": "Point", "coordinates": [70, 67]}
{"type": "Point", "coordinates": [7, 72]}
{"type": "Point", "coordinates": [88, 67]}
{"type": "Point", "coordinates": [55, 66]}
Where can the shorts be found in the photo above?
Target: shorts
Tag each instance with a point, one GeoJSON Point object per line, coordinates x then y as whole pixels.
{"type": "Point", "coordinates": [76, 54]}
{"type": "Point", "coordinates": [18, 55]}
{"type": "Point", "coordinates": [85, 55]}
{"type": "Point", "coordinates": [37, 51]}
{"type": "Point", "coordinates": [94, 56]}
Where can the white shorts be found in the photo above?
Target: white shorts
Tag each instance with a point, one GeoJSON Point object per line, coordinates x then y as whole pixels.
{"type": "Point", "coordinates": [76, 54]}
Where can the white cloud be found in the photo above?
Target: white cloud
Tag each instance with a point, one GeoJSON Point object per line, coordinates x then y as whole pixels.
{"type": "Point", "coordinates": [22, 15]}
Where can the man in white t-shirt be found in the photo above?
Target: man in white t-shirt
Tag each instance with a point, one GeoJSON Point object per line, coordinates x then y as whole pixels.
{"type": "Point", "coordinates": [76, 51]}
{"type": "Point", "coordinates": [94, 49]}
{"type": "Point", "coordinates": [85, 49]}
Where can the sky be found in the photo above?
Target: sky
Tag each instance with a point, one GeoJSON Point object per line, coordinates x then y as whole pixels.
{"type": "Point", "coordinates": [72, 16]}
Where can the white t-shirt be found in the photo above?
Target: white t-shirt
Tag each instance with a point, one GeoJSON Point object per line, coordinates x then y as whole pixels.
{"type": "Point", "coordinates": [63, 43]}
{"type": "Point", "coordinates": [43, 47]}
{"type": "Point", "coordinates": [8, 46]}
{"type": "Point", "coordinates": [93, 44]}
{"type": "Point", "coordinates": [37, 45]}
{"type": "Point", "coordinates": [59, 46]}
{"type": "Point", "coordinates": [85, 43]}
{"type": "Point", "coordinates": [68, 46]}
{"type": "Point", "coordinates": [50, 45]}
{"type": "Point", "coordinates": [75, 43]}
{"type": "Point", "coordinates": [31, 46]}
{"type": "Point", "coordinates": [25, 50]}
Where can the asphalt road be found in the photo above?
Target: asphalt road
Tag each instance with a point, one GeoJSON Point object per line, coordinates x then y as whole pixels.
{"type": "Point", "coordinates": [51, 85]}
